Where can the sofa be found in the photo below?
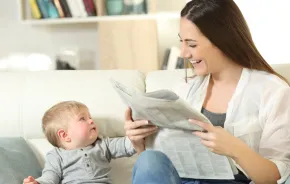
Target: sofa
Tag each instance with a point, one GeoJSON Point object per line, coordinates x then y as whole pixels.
{"type": "Point", "coordinates": [25, 96]}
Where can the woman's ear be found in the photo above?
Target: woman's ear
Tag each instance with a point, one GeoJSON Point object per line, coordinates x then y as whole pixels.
{"type": "Point", "coordinates": [63, 136]}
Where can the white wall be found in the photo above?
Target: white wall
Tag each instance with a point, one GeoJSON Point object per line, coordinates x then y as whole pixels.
{"type": "Point", "coordinates": [269, 22]}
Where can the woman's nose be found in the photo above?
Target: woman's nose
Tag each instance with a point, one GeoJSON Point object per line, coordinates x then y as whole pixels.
{"type": "Point", "coordinates": [184, 52]}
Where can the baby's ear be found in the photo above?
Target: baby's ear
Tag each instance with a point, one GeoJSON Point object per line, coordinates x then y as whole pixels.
{"type": "Point", "coordinates": [63, 136]}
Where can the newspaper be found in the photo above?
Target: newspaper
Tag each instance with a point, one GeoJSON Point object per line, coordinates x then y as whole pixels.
{"type": "Point", "coordinates": [166, 110]}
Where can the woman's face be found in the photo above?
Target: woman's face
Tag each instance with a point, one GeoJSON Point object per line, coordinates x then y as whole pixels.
{"type": "Point", "coordinates": [202, 54]}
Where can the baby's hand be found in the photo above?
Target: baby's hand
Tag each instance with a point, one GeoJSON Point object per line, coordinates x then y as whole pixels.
{"type": "Point", "coordinates": [29, 180]}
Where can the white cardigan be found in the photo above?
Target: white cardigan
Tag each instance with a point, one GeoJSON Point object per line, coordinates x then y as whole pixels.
{"type": "Point", "coordinates": [258, 113]}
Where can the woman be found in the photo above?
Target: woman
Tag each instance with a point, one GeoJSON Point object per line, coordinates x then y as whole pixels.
{"type": "Point", "coordinates": [245, 99]}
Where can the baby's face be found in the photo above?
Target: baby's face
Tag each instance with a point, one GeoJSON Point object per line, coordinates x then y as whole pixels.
{"type": "Point", "coordinates": [82, 130]}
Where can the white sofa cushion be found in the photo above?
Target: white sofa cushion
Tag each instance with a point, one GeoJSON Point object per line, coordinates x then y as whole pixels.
{"type": "Point", "coordinates": [12, 85]}
{"type": "Point", "coordinates": [169, 79]}
{"type": "Point", "coordinates": [93, 88]}
{"type": "Point", "coordinates": [164, 79]}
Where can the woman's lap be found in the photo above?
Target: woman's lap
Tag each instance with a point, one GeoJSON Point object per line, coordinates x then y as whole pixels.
{"type": "Point", "coordinates": [154, 167]}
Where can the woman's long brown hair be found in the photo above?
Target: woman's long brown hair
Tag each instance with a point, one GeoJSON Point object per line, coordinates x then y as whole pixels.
{"type": "Point", "coordinates": [222, 22]}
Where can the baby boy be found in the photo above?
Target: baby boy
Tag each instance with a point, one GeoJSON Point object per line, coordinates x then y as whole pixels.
{"type": "Point", "coordinates": [79, 154]}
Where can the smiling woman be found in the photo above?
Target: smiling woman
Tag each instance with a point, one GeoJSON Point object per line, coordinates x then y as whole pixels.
{"type": "Point", "coordinates": [226, 38]}
{"type": "Point", "coordinates": [244, 98]}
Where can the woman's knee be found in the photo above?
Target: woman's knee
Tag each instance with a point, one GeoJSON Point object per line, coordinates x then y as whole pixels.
{"type": "Point", "coordinates": [154, 167]}
{"type": "Point", "coordinates": [153, 160]}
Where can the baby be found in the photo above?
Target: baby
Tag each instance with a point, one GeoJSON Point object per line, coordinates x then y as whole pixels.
{"type": "Point", "coordinates": [79, 156]}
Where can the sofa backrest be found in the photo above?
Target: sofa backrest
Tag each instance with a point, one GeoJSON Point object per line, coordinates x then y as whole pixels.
{"type": "Point", "coordinates": [25, 96]}
{"type": "Point", "coordinates": [168, 79]}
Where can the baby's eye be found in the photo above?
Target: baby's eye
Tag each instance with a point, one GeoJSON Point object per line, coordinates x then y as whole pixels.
{"type": "Point", "coordinates": [82, 119]}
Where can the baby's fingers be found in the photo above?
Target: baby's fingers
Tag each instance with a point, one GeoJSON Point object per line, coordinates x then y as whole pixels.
{"type": "Point", "coordinates": [29, 179]}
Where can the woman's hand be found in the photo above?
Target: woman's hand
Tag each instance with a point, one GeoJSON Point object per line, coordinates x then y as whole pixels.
{"type": "Point", "coordinates": [218, 140]}
{"type": "Point", "coordinates": [137, 131]}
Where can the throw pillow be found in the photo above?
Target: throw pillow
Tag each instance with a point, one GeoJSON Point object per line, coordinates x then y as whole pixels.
{"type": "Point", "coordinates": [17, 161]}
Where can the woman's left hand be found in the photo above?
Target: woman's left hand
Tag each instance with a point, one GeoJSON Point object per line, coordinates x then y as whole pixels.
{"type": "Point", "coordinates": [218, 140]}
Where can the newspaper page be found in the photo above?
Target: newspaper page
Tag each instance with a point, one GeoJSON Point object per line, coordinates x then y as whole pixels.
{"type": "Point", "coordinates": [165, 109]}
{"type": "Point", "coordinates": [162, 108]}
{"type": "Point", "coordinates": [190, 158]}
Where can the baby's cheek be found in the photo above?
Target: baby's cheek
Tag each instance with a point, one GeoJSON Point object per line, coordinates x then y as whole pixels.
{"type": "Point", "coordinates": [83, 132]}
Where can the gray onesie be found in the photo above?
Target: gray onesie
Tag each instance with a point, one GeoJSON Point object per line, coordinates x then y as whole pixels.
{"type": "Point", "coordinates": [86, 165]}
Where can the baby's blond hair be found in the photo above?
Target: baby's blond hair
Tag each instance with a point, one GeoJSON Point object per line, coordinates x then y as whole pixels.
{"type": "Point", "coordinates": [57, 117]}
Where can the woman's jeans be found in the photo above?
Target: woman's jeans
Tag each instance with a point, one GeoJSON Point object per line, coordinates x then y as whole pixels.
{"type": "Point", "coordinates": [154, 167]}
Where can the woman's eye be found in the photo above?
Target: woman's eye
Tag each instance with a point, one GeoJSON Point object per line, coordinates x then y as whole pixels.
{"type": "Point", "coordinates": [192, 46]}
{"type": "Point", "coordinates": [82, 119]}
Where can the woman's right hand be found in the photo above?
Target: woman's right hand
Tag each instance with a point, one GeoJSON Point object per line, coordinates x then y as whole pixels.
{"type": "Point", "coordinates": [138, 130]}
